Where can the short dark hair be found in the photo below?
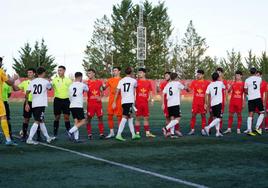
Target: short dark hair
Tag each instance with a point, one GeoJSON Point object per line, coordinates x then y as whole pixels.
{"type": "Point", "coordinates": [119, 68]}
{"type": "Point", "coordinates": [78, 74]}
{"type": "Point", "coordinates": [91, 70]}
{"type": "Point", "coordinates": [62, 67]}
{"type": "Point", "coordinates": [31, 69]}
{"type": "Point", "coordinates": [259, 72]}
{"type": "Point", "coordinates": [220, 69]}
{"type": "Point", "coordinates": [239, 72]}
{"type": "Point", "coordinates": [173, 76]}
{"type": "Point", "coordinates": [253, 70]}
{"type": "Point", "coordinates": [1, 59]}
{"type": "Point", "coordinates": [168, 72]}
{"type": "Point", "coordinates": [40, 70]}
{"type": "Point", "coordinates": [142, 69]}
{"type": "Point", "coordinates": [128, 70]}
{"type": "Point", "coordinates": [215, 76]}
{"type": "Point", "coordinates": [200, 71]}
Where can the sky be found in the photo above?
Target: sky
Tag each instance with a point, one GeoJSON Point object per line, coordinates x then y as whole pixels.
{"type": "Point", "coordinates": [67, 25]}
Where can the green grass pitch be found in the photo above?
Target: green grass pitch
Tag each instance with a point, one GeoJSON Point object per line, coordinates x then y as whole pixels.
{"type": "Point", "coordinates": [231, 161]}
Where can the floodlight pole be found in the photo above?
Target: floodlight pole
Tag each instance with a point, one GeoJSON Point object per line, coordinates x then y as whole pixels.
{"type": "Point", "coordinates": [141, 39]}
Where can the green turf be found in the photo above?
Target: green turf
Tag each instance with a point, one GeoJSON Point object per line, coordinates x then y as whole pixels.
{"type": "Point", "coordinates": [231, 161]}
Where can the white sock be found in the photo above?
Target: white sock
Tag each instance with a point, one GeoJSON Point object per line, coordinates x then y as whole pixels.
{"type": "Point", "coordinates": [121, 126]}
{"type": "Point", "coordinates": [249, 124]}
{"type": "Point", "coordinates": [73, 129]}
{"type": "Point", "coordinates": [76, 134]}
{"type": "Point", "coordinates": [172, 123]}
{"type": "Point", "coordinates": [33, 131]}
{"type": "Point", "coordinates": [214, 123]}
{"type": "Point", "coordinates": [259, 121]}
{"type": "Point", "coordinates": [172, 130]}
{"type": "Point", "coordinates": [217, 128]}
{"type": "Point", "coordinates": [131, 126]}
{"type": "Point", "coordinates": [44, 130]}
{"type": "Point", "coordinates": [112, 131]}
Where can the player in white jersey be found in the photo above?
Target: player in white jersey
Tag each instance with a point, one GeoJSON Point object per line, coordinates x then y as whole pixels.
{"type": "Point", "coordinates": [126, 87]}
{"type": "Point", "coordinates": [76, 91]}
{"type": "Point", "coordinates": [213, 101]}
{"type": "Point", "coordinates": [172, 92]}
{"type": "Point", "coordinates": [38, 87]}
{"type": "Point", "coordinates": [252, 89]}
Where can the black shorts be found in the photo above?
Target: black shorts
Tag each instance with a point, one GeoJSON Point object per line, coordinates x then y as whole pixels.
{"type": "Point", "coordinates": [174, 111]}
{"type": "Point", "coordinates": [217, 110]}
{"type": "Point", "coordinates": [26, 114]}
{"type": "Point", "coordinates": [39, 113]}
{"type": "Point", "coordinates": [7, 110]}
{"type": "Point", "coordinates": [61, 106]}
{"type": "Point", "coordinates": [255, 104]}
{"type": "Point", "coordinates": [127, 109]}
{"type": "Point", "coordinates": [78, 113]}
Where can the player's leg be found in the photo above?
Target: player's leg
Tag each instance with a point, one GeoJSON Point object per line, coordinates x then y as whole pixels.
{"type": "Point", "coordinates": [90, 115]}
{"type": "Point", "coordinates": [8, 118]}
{"type": "Point", "coordinates": [4, 124]}
{"type": "Point", "coordinates": [147, 128]}
{"type": "Point", "coordinates": [111, 126]}
{"type": "Point", "coordinates": [137, 124]}
{"type": "Point", "coordinates": [203, 123]}
{"type": "Point", "coordinates": [230, 123]}
{"type": "Point", "coordinates": [239, 122]}
{"type": "Point", "coordinates": [216, 111]}
{"type": "Point", "coordinates": [101, 127]}
{"type": "Point", "coordinates": [251, 110]}
{"type": "Point", "coordinates": [192, 123]}
{"type": "Point", "coordinates": [259, 104]}
{"type": "Point", "coordinates": [66, 113]}
{"type": "Point", "coordinates": [57, 113]}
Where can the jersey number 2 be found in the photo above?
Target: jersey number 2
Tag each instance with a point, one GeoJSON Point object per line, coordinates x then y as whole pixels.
{"type": "Point", "coordinates": [74, 94]}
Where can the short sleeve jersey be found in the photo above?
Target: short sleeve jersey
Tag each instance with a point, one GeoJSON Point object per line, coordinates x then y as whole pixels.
{"type": "Point", "coordinates": [253, 84]}
{"type": "Point", "coordinates": [76, 91]}
{"type": "Point", "coordinates": [172, 90]}
{"type": "Point", "coordinates": [215, 90]}
{"type": "Point", "coordinates": [127, 87]}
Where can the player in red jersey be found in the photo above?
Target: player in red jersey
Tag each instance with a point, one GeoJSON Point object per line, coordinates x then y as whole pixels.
{"type": "Point", "coordinates": [199, 87]}
{"type": "Point", "coordinates": [161, 87]}
{"type": "Point", "coordinates": [236, 103]}
{"type": "Point", "coordinates": [94, 104]}
{"type": "Point", "coordinates": [220, 71]}
{"type": "Point", "coordinates": [143, 95]}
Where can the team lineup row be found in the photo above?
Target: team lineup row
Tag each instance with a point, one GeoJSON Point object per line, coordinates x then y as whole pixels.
{"type": "Point", "coordinates": [127, 94]}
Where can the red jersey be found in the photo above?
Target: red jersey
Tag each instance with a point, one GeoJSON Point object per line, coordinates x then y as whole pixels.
{"type": "Point", "coordinates": [263, 88]}
{"type": "Point", "coordinates": [144, 87]}
{"type": "Point", "coordinates": [199, 88]}
{"type": "Point", "coordinates": [94, 90]}
{"type": "Point", "coordinates": [162, 86]}
{"type": "Point", "coordinates": [237, 90]}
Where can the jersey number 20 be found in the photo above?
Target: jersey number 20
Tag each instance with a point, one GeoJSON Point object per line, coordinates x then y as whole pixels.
{"type": "Point", "coordinates": [37, 89]}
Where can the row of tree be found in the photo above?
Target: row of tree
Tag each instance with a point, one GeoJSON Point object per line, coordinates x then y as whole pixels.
{"type": "Point", "coordinates": [113, 43]}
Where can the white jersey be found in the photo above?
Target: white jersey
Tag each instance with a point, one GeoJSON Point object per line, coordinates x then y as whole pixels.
{"type": "Point", "coordinates": [173, 92]}
{"type": "Point", "coordinates": [253, 84]}
{"type": "Point", "coordinates": [76, 91]}
{"type": "Point", "coordinates": [215, 91]}
{"type": "Point", "coordinates": [38, 87]}
{"type": "Point", "coordinates": [127, 87]}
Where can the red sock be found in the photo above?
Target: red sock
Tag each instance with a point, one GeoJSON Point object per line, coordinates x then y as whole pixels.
{"type": "Point", "coordinates": [146, 127]}
{"type": "Point", "coordinates": [239, 122]}
{"type": "Point", "coordinates": [210, 119]}
{"type": "Point", "coordinates": [89, 129]}
{"type": "Point", "coordinates": [204, 122]}
{"type": "Point", "coordinates": [137, 128]}
{"type": "Point", "coordinates": [266, 122]}
{"type": "Point", "coordinates": [177, 127]}
{"type": "Point", "coordinates": [230, 121]}
{"type": "Point", "coordinates": [110, 121]}
{"type": "Point", "coordinates": [193, 121]}
{"type": "Point", "coordinates": [101, 128]}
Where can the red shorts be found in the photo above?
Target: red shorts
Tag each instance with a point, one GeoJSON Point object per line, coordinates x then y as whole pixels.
{"type": "Point", "coordinates": [94, 108]}
{"type": "Point", "coordinates": [198, 108]}
{"type": "Point", "coordinates": [235, 108]}
{"type": "Point", "coordinates": [142, 109]}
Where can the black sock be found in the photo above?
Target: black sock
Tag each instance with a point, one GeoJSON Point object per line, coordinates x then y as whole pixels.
{"type": "Point", "coordinates": [67, 125]}
{"type": "Point", "coordinates": [56, 127]}
{"type": "Point", "coordinates": [10, 131]}
{"type": "Point", "coordinates": [24, 129]}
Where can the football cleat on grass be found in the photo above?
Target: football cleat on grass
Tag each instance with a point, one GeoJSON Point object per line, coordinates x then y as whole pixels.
{"type": "Point", "coordinates": [11, 143]}
{"type": "Point", "coordinates": [70, 135]}
{"type": "Point", "coordinates": [150, 135]}
{"type": "Point", "coordinates": [219, 135]}
{"type": "Point", "coordinates": [258, 131]}
{"type": "Point", "coordinates": [31, 142]}
{"type": "Point", "coordinates": [136, 137]}
{"type": "Point", "coordinates": [120, 138]}
{"type": "Point", "coordinates": [50, 139]}
{"type": "Point", "coordinates": [228, 131]}
{"type": "Point", "coordinates": [203, 132]}
{"type": "Point", "coordinates": [238, 131]}
{"type": "Point", "coordinates": [173, 136]}
{"type": "Point", "coordinates": [111, 135]}
{"type": "Point", "coordinates": [178, 133]}
{"type": "Point", "coordinates": [247, 131]}
{"type": "Point", "coordinates": [90, 137]}
{"type": "Point", "coordinates": [191, 132]}
{"type": "Point", "coordinates": [102, 136]}
{"type": "Point", "coordinates": [251, 134]}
